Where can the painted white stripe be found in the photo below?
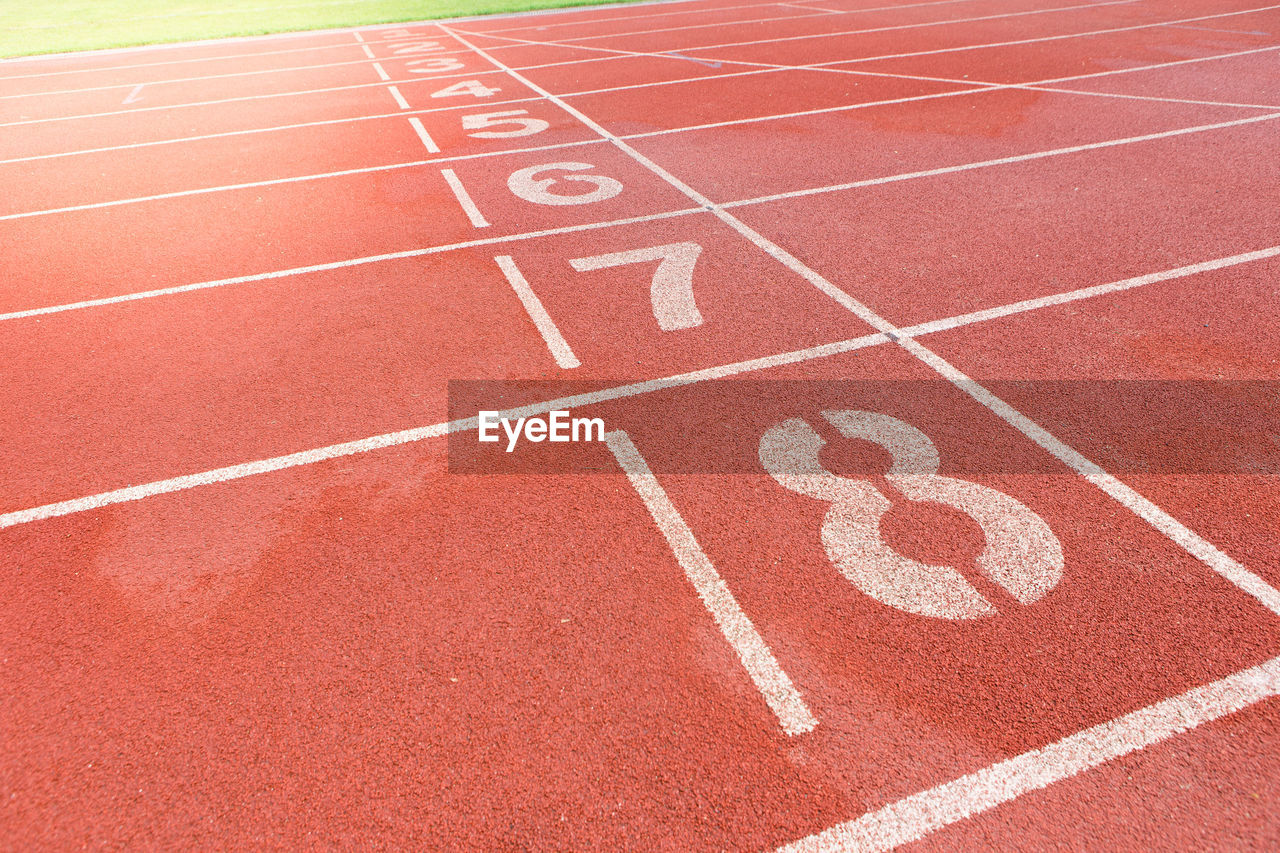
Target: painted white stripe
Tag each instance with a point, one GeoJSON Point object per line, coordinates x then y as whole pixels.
{"type": "Point", "coordinates": [368, 51]}
{"type": "Point", "coordinates": [113, 68]}
{"type": "Point", "coordinates": [756, 657]}
{"type": "Point", "coordinates": [382, 72]}
{"type": "Point", "coordinates": [238, 99]}
{"type": "Point", "coordinates": [178, 140]}
{"type": "Point", "coordinates": [886, 179]}
{"type": "Point", "coordinates": [718, 24]}
{"type": "Point", "coordinates": [1039, 302]}
{"type": "Point", "coordinates": [1001, 161]}
{"type": "Point", "coordinates": [334, 265]}
{"type": "Point", "coordinates": [37, 59]}
{"type": "Point", "coordinates": [916, 816]}
{"type": "Point", "coordinates": [758, 41]}
{"type": "Point", "coordinates": [1217, 561]}
{"type": "Point", "coordinates": [363, 170]}
{"type": "Point", "coordinates": [400, 101]}
{"type": "Point", "coordinates": [464, 199]}
{"type": "Point", "coordinates": [1038, 39]}
{"type": "Point", "coordinates": [202, 79]}
{"type": "Point", "coordinates": [365, 445]}
{"type": "Point", "coordinates": [580, 400]}
{"type": "Point", "coordinates": [559, 347]}
{"type": "Point", "coordinates": [427, 141]}
{"type": "Point", "coordinates": [1191, 542]}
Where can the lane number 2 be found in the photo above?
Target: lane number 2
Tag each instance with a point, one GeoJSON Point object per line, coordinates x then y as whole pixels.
{"type": "Point", "coordinates": [1022, 555]}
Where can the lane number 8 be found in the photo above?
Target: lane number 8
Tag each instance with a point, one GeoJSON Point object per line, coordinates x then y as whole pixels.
{"type": "Point", "coordinates": [1022, 555]}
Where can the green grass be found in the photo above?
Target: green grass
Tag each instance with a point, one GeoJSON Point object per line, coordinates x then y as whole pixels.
{"type": "Point", "coordinates": [51, 26]}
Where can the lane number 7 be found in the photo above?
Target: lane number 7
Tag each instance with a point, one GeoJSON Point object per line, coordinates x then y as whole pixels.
{"type": "Point", "coordinates": [671, 292]}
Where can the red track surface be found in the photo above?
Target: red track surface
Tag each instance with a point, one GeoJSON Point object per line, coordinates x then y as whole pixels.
{"type": "Point", "coordinates": [248, 604]}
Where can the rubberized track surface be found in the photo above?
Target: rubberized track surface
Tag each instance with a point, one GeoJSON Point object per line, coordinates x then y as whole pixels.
{"type": "Point", "coordinates": [248, 605]}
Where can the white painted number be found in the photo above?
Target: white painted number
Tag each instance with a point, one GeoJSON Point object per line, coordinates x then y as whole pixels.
{"type": "Point", "coordinates": [418, 47]}
{"type": "Point", "coordinates": [524, 126]}
{"type": "Point", "coordinates": [672, 290]}
{"type": "Point", "coordinates": [467, 87]}
{"type": "Point", "coordinates": [527, 185]}
{"type": "Point", "coordinates": [436, 65]}
{"type": "Point", "coordinates": [1021, 554]}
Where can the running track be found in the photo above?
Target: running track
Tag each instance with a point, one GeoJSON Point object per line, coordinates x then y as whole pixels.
{"type": "Point", "coordinates": [246, 604]}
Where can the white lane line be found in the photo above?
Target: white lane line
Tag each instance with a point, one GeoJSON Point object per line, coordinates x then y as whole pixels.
{"type": "Point", "coordinates": [1191, 542]}
{"type": "Point", "coordinates": [1217, 561]}
{"type": "Point", "coordinates": [719, 24]}
{"type": "Point", "coordinates": [365, 445]}
{"type": "Point", "coordinates": [559, 347]}
{"type": "Point", "coordinates": [270, 182]}
{"type": "Point", "coordinates": [866, 182]}
{"type": "Point", "coordinates": [235, 100]}
{"type": "Point", "coordinates": [987, 18]}
{"type": "Point", "coordinates": [368, 52]}
{"type": "Point", "coordinates": [687, 50]}
{"type": "Point", "coordinates": [400, 101]}
{"type": "Point", "coordinates": [334, 265]}
{"type": "Point", "coordinates": [464, 199]}
{"type": "Point", "coordinates": [916, 816]}
{"type": "Point", "coordinates": [427, 141]}
{"type": "Point", "coordinates": [279, 127]}
{"type": "Point", "coordinates": [133, 94]}
{"type": "Point", "coordinates": [841, 33]}
{"type": "Point", "coordinates": [382, 72]}
{"type": "Point", "coordinates": [576, 401]}
{"type": "Point", "coordinates": [1001, 161]}
{"type": "Point", "coordinates": [768, 676]}
{"type": "Point", "coordinates": [1052, 299]}
{"type": "Point", "coordinates": [983, 86]}
{"type": "Point", "coordinates": [111, 68]}
{"type": "Point", "coordinates": [176, 80]}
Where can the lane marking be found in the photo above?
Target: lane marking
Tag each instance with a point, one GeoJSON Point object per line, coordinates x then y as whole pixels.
{"type": "Point", "coordinates": [916, 816]}
{"type": "Point", "coordinates": [363, 170]}
{"type": "Point", "coordinates": [377, 442]}
{"type": "Point", "coordinates": [382, 72]}
{"type": "Point", "coordinates": [982, 87]}
{"type": "Point", "coordinates": [133, 95]}
{"type": "Point", "coordinates": [202, 137]}
{"type": "Point", "coordinates": [904, 176]}
{"type": "Point", "coordinates": [757, 658]}
{"type": "Point", "coordinates": [177, 80]}
{"type": "Point", "coordinates": [617, 392]}
{"type": "Point", "coordinates": [721, 24]}
{"type": "Point", "coordinates": [735, 44]}
{"type": "Point", "coordinates": [427, 141]}
{"type": "Point", "coordinates": [1192, 543]}
{"type": "Point", "coordinates": [334, 265]}
{"type": "Point", "coordinates": [464, 199]}
{"type": "Point", "coordinates": [366, 49]}
{"type": "Point", "coordinates": [1062, 298]}
{"type": "Point", "coordinates": [400, 101]}
{"type": "Point", "coordinates": [1001, 161]}
{"type": "Point", "coordinates": [986, 18]}
{"type": "Point", "coordinates": [705, 62]}
{"type": "Point", "coordinates": [572, 42]}
{"type": "Point", "coordinates": [238, 99]}
{"type": "Point", "coordinates": [555, 341]}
